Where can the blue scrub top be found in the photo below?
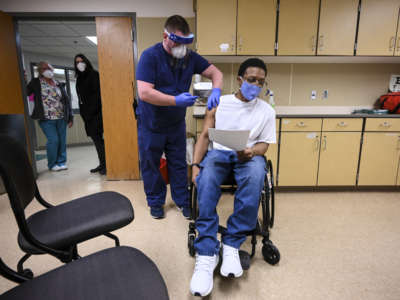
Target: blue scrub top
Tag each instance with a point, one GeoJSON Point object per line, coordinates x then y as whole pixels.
{"type": "Point", "coordinates": [155, 66]}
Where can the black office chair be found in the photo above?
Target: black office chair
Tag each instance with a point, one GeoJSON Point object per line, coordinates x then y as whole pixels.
{"type": "Point", "coordinates": [119, 273]}
{"type": "Point", "coordinates": [56, 230]}
{"type": "Point", "coordinates": [270, 252]}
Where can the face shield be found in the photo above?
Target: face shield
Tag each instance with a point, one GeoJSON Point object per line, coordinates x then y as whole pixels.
{"type": "Point", "coordinates": [180, 39]}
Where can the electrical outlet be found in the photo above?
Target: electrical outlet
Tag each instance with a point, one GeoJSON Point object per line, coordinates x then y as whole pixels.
{"type": "Point", "coordinates": [313, 95]}
{"type": "Point", "coordinates": [325, 94]}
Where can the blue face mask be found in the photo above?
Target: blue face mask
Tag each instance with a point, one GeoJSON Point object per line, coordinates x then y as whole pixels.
{"type": "Point", "coordinates": [250, 91]}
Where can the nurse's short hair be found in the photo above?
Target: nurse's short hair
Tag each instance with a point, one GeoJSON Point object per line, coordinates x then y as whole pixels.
{"type": "Point", "coordinates": [252, 62]}
{"type": "Point", "coordinates": [175, 23]}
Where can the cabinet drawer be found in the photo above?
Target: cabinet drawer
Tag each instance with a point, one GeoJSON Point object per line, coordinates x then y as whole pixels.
{"type": "Point", "coordinates": [301, 124]}
{"type": "Point", "coordinates": [382, 124]}
{"type": "Point", "coordinates": [342, 124]}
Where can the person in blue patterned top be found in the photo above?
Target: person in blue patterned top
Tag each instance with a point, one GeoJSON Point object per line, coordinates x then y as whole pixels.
{"type": "Point", "coordinates": [53, 111]}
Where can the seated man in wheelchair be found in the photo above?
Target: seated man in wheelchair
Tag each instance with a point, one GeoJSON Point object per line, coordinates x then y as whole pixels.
{"type": "Point", "coordinates": [240, 111]}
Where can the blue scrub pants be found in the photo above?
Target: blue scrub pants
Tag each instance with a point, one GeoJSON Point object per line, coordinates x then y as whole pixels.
{"type": "Point", "coordinates": [249, 176]}
{"type": "Point", "coordinates": [151, 146]}
{"type": "Point", "coordinates": [56, 145]}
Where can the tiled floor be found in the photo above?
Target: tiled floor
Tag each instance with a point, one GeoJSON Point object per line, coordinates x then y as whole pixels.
{"type": "Point", "coordinates": [334, 245]}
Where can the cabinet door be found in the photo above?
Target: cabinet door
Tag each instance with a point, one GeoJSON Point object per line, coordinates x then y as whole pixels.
{"type": "Point", "coordinates": [337, 27]}
{"type": "Point", "coordinates": [298, 24]}
{"type": "Point", "coordinates": [338, 160]}
{"type": "Point", "coordinates": [377, 28]}
{"type": "Point", "coordinates": [379, 158]}
{"type": "Point", "coordinates": [216, 27]}
{"type": "Point", "coordinates": [298, 158]}
{"type": "Point", "coordinates": [256, 27]}
{"type": "Point", "coordinates": [272, 155]}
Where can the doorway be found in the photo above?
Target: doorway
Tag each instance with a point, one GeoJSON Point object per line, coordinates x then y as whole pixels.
{"type": "Point", "coordinates": [57, 38]}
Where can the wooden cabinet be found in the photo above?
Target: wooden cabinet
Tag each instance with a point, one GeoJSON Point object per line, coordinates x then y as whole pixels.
{"type": "Point", "coordinates": [338, 160]}
{"type": "Point", "coordinates": [340, 150]}
{"type": "Point", "coordinates": [337, 27]}
{"type": "Point", "coordinates": [380, 153]}
{"type": "Point", "coordinates": [256, 24]}
{"type": "Point", "coordinates": [272, 152]}
{"type": "Point", "coordinates": [379, 158]}
{"type": "Point", "coordinates": [298, 26]}
{"type": "Point", "coordinates": [218, 33]}
{"type": "Point", "coordinates": [378, 27]}
{"type": "Point", "coordinates": [298, 158]}
{"type": "Point", "coordinates": [216, 27]}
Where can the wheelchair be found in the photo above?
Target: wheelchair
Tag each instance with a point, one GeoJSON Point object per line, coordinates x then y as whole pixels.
{"type": "Point", "coordinates": [264, 224]}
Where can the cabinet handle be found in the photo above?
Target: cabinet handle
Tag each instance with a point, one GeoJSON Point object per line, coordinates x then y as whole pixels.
{"type": "Point", "coordinates": [398, 143]}
{"type": "Point", "coordinates": [301, 124]}
{"type": "Point", "coordinates": [317, 143]}
{"type": "Point", "coordinates": [385, 124]}
{"type": "Point", "coordinates": [342, 124]}
{"type": "Point", "coordinates": [321, 42]}
{"type": "Point", "coordinates": [313, 43]}
{"type": "Point", "coordinates": [233, 43]}
{"type": "Point", "coordinates": [240, 43]}
{"type": "Point", "coordinates": [325, 143]}
{"type": "Point", "coordinates": [391, 43]}
{"type": "Point", "coordinates": [398, 44]}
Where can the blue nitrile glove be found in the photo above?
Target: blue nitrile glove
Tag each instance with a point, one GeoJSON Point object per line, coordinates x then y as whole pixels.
{"type": "Point", "coordinates": [213, 99]}
{"type": "Point", "coordinates": [185, 99]}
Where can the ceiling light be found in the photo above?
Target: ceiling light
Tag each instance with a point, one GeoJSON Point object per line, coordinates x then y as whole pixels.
{"type": "Point", "coordinates": [93, 39]}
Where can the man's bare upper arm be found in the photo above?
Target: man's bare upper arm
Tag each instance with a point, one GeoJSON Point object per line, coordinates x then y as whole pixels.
{"type": "Point", "coordinates": [209, 122]}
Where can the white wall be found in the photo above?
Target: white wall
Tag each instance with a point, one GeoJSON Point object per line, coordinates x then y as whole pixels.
{"type": "Point", "coordinates": [143, 8]}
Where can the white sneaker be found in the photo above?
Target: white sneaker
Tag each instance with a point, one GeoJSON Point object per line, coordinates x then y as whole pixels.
{"type": "Point", "coordinates": [56, 168]}
{"type": "Point", "coordinates": [231, 266]}
{"type": "Point", "coordinates": [202, 279]}
{"type": "Point", "coordinates": [63, 167]}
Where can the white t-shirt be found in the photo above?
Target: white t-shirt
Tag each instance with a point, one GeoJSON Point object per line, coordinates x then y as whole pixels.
{"type": "Point", "coordinates": [256, 115]}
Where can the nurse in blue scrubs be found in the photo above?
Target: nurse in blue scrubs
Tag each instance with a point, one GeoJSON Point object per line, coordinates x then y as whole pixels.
{"type": "Point", "coordinates": [164, 75]}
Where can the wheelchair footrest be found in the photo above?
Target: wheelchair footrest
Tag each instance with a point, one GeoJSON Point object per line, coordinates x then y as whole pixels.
{"type": "Point", "coordinates": [244, 259]}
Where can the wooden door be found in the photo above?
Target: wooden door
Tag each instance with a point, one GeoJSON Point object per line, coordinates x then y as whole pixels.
{"type": "Point", "coordinates": [116, 67]}
{"type": "Point", "coordinates": [216, 27]}
{"type": "Point", "coordinates": [379, 158]}
{"type": "Point", "coordinates": [298, 25]}
{"type": "Point", "coordinates": [377, 28]}
{"type": "Point", "coordinates": [11, 101]}
{"type": "Point", "coordinates": [256, 25]}
{"type": "Point", "coordinates": [298, 158]}
{"type": "Point", "coordinates": [338, 159]}
{"type": "Point", "coordinates": [337, 27]}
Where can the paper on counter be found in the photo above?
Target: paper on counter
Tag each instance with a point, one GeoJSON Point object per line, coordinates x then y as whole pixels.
{"type": "Point", "coordinates": [233, 139]}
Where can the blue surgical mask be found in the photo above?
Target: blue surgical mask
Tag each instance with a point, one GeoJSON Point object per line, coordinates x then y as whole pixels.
{"type": "Point", "coordinates": [250, 91]}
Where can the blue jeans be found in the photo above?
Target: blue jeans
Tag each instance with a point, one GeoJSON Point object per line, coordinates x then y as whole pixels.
{"type": "Point", "coordinates": [56, 145]}
{"type": "Point", "coordinates": [249, 177]}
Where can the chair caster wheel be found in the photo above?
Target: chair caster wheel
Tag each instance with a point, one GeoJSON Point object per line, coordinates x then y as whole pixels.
{"type": "Point", "coordinates": [192, 251]}
{"type": "Point", "coordinates": [27, 273]}
{"type": "Point", "coordinates": [271, 253]}
{"type": "Point", "coordinates": [244, 259]}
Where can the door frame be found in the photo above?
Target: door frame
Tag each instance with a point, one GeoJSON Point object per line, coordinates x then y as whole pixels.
{"type": "Point", "coordinates": [53, 16]}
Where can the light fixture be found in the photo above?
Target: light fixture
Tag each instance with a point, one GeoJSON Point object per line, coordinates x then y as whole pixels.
{"type": "Point", "coordinates": [93, 39]}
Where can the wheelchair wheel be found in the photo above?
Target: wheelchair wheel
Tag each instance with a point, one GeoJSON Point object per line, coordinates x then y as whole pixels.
{"type": "Point", "coordinates": [271, 198]}
{"type": "Point", "coordinates": [192, 252]}
{"type": "Point", "coordinates": [271, 253]}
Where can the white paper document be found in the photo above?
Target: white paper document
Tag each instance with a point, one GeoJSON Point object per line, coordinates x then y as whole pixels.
{"type": "Point", "coordinates": [233, 139]}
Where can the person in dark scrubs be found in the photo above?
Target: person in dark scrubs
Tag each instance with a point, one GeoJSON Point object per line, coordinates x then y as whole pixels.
{"type": "Point", "coordinates": [88, 91]}
{"type": "Point", "coordinates": [164, 75]}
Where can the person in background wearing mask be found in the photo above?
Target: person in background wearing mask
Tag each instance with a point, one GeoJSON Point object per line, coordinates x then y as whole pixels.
{"type": "Point", "coordinates": [53, 110]}
{"type": "Point", "coordinates": [164, 75]}
{"type": "Point", "coordinates": [240, 111]}
{"type": "Point", "coordinates": [88, 91]}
